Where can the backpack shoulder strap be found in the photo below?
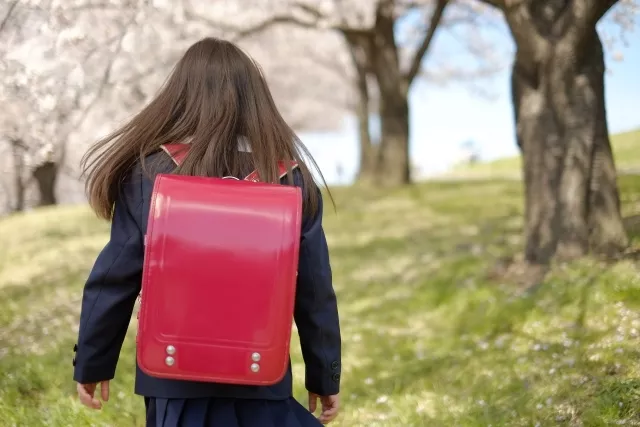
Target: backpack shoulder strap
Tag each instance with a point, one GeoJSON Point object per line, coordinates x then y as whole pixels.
{"type": "Point", "coordinates": [282, 171]}
{"type": "Point", "coordinates": [178, 152]}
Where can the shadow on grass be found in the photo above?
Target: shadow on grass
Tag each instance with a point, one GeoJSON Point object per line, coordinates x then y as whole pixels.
{"type": "Point", "coordinates": [437, 265]}
{"type": "Point", "coordinates": [508, 314]}
{"type": "Point", "coordinates": [516, 388]}
{"type": "Point", "coordinates": [554, 364]}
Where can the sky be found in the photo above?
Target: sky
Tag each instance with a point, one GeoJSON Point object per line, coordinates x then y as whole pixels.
{"type": "Point", "coordinates": [442, 117]}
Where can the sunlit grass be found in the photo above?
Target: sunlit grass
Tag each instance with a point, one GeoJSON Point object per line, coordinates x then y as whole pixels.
{"type": "Point", "coordinates": [429, 339]}
{"type": "Point", "coordinates": [626, 150]}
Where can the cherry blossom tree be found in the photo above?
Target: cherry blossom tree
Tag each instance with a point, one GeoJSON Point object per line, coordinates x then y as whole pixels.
{"type": "Point", "coordinates": [52, 76]}
{"type": "Point", "coordinates": [73, 69]}
{"type": "Point", "coordinates": [379, 70]}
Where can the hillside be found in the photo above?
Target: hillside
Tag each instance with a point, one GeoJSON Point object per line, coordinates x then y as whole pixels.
{"type": "Point", "coordinates": [429, 338]}
{"type": "Point", "coordinates": [626, 150]}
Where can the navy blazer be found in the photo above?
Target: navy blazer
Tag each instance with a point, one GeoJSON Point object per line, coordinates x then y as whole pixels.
{"type": "Point", "coordinates": [114, 284]}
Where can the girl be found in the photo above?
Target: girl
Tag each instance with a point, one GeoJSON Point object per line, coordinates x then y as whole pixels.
{"type": "Point", "coordinates": [217, 100]}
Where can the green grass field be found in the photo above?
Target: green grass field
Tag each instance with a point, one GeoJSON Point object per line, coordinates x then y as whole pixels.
{"type": "Point", "coordinates": [430, 337]}
{"type": "Point", "coordinates": [626, 148]}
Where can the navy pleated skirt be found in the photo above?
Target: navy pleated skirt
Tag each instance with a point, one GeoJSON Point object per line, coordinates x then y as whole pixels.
{"type": "Point", "coordinates": [218, 412]}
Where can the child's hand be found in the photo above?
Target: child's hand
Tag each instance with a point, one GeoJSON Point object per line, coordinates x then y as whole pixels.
{"type": "Point", "coordinates": [330, 406]}
{"type": "Point", "coordinates": [86, 393]}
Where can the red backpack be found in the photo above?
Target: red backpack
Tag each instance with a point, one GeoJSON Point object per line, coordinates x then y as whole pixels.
{"type": "Point", "coordinates": [219, 278]}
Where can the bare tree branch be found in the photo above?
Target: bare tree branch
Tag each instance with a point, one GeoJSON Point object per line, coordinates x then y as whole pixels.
{"type": "Point", "coordinates": [275, 20]}
{"type": "Point", "coordinates": [592, 10]}
{"type": "Point", "coordinates": [587, 13]}
{"type": "Point", "coordinates": [416, 63]}
{"type": "Point", "coordinates": [107, 72]}
{"type": "Point", "coordinates": [310, 10]}
{"type": "Point", "coordinates": [5, 20]}
{"type": "Point", "coordinates": [239, 33]}
{"type": "Point", "coordinates": [314, 20]}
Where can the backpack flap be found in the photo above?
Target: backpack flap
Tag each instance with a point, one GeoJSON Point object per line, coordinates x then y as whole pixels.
{"type": "Point", "coordinates": [219, 280]}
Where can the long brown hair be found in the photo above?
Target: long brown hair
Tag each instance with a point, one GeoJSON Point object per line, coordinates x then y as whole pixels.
{"type": "Point", "coordinates": [215, 95]}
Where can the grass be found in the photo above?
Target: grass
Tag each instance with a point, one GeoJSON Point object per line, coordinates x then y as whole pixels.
{"type": "Point", "coordinates": [625, 148]}
{"type": "Point", "coordinates": [429, 338]}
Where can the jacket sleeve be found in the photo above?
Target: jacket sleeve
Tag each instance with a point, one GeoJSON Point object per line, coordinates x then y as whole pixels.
{"type": "Point", "coordinates": [110, 293]}
{"type": "Point", "coordinates": [316, 311]}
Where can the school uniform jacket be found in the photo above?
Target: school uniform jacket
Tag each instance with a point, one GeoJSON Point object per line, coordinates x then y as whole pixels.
{"type": "Point", "coordinates": [114, 284]}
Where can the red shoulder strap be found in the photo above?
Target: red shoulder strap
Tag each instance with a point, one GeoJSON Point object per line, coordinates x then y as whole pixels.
{"type": "Point", "coordinates": [282, 171]}
{"type": "Point", "coordinates": [178, 152]}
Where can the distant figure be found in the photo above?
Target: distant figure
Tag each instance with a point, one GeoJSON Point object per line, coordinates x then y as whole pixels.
{"type": "Point", "coordinates": [468, 154]}
{"type": "Point", "coordinates": [339, 171]}
{"type": "Point", "coordinates": [214, 117]}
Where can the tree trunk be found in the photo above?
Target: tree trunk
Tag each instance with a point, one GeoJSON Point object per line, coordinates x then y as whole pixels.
{"type": "Point", "coordinates": [571, 196]}
{"type": "Point", "coordinates": [377, 55]}
{"type": "Point", "coordinates": [46, 176]}
{"type": "Point", "coordinates": [360, 49]}
{"type": "Point", "coordinates": [394, 165]}
{"type": "Point", "coordinates": [368, 151]}
{"type": "Point", "coordinates": [393, 162]}
{"type": "Point", "coordinates": [19, 188]}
